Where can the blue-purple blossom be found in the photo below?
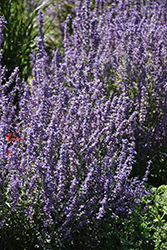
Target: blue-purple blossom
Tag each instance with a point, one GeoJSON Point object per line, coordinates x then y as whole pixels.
{"type": "Point", "coordinates": [85, 119]}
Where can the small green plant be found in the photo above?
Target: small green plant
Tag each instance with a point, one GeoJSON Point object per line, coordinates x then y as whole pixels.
{"type": "Point", "coordinates": [158, 222]}
{"type": "Point", "coordinates": [146, 228]}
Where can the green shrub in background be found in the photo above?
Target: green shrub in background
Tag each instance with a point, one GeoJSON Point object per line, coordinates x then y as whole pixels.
{"type": "Point", "coordinates": [157, 224]}
{"type": "Point", "coordinates": [146, 229]}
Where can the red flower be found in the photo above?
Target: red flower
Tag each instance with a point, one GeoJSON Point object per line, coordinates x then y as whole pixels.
{"type": "Point", "coordinates": [11, 137]}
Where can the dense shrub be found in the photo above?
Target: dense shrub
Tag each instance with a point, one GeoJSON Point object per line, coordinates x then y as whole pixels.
{"type": "Point", "coordinates": [71, 165]}
{"type": "Point", "coordinates": [86, 129]}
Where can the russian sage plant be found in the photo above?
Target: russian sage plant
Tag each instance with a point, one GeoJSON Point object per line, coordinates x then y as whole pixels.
{"type": "Point", "coordinates": [72, 164]}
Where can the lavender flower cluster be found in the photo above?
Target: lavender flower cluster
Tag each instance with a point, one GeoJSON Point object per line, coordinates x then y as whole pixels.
{"type": "Point", "coordinates": [84, 117]}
